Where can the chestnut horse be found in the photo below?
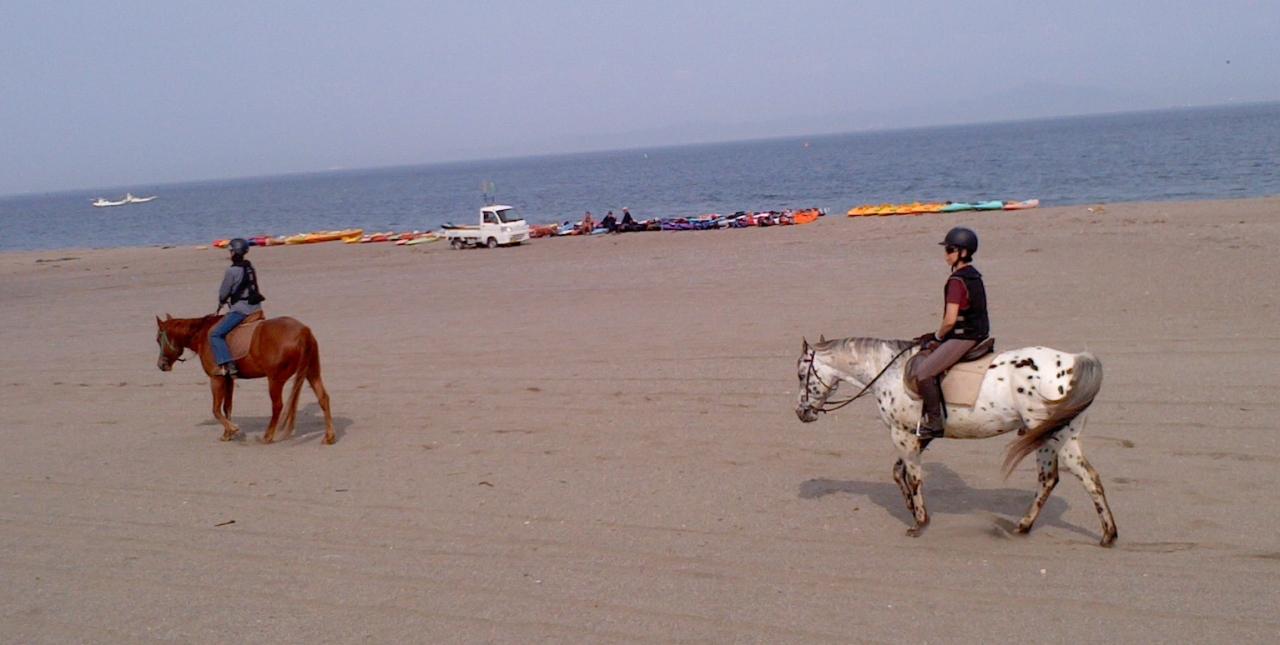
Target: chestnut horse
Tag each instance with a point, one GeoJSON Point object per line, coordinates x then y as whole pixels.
{"type": "Point", "coordinates": [281, 347]}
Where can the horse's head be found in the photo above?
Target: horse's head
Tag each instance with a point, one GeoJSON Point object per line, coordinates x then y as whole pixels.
{"type": "Point", "coordinates": [170, 350]}
{"type": "Point", "coordinates": [814, 387]}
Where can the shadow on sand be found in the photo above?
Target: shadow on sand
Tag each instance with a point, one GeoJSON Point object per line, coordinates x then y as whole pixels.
{"type": "Point", "coordinates": [309, 427]}
{"type": "Point", "coordinates": [946, 493]}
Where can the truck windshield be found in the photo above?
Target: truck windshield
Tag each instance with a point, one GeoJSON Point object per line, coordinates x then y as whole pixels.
{"type": "Point", "coordinates": [509, 215]}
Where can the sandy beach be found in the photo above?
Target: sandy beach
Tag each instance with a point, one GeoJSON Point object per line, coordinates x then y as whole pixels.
{"type": "Point", "coordinates": [593, 440]}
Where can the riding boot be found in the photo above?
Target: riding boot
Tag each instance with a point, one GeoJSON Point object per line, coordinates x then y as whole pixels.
{"type": "Point", "coordinates": [229, 369]}
{"type": "Point", "coordinates": [931, 419]}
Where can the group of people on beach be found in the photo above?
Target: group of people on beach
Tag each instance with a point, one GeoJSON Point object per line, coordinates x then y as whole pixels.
{"type": "Point", "coordinates": [609, 223]}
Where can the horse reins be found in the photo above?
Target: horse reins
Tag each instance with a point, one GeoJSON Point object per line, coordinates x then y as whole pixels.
{"type": "Point", "coordinates": [827, 406]}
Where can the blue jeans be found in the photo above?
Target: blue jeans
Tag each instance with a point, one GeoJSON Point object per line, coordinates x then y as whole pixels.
{"type": "Point", "coordinates": [222, 354]}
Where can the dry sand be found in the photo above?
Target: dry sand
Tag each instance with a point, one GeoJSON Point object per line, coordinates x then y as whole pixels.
{"type": "Point", "coordinates": [593, 440]}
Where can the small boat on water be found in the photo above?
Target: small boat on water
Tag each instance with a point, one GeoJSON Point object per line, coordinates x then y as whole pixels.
{"type": "Point", "coordinates": [128, 198]}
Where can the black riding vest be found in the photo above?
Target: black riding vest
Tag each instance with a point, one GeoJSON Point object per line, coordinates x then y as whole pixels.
{"type": "Point", "coordinates": [972, 323]}
{"type": "Point", "coordinates": [248, 287]}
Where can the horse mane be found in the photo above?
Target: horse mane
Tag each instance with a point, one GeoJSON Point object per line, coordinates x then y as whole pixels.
{"type": "Point", "coordinates": [859, 344]}
{"type": "Point", "coordinates": [190, 328]}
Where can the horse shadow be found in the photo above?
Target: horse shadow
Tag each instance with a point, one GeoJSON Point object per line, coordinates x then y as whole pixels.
{"type": "Point", "coordinates": [947, 493]}
{"type": "Point", "coordinates": [309, 426]}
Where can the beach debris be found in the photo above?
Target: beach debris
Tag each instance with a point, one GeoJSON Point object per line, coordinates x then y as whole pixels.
{"type": "Point", "coordinates": [225, 523]}
{"type": "Point", "coordinates": [485, 483]}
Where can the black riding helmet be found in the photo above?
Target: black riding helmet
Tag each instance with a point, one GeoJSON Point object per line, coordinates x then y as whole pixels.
{"type": "Point", "coordinates": [962, 238]}
{"type": "Point", "coordinates": [239, 246]}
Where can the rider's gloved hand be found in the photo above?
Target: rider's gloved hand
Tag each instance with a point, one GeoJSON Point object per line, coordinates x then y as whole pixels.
{"type": "Point", "coordinates": [925, 340]}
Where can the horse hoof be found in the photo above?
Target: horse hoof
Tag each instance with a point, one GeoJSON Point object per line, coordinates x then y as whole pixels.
{"type": "Point", "coordinates": [227, 436]}
{"type": "Point", "coordinates": [264, 441]}
{"type": "Point", "coordinates": [1023, 528]}
{"type": "Point", "coordinates": [329, 441]}
{"type": "Point", "coordinates": [915, 531]}
{"type": "Point", "coordinates": [1108, 540]}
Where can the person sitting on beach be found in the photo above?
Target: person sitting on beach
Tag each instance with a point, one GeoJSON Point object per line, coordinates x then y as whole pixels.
{"type": "Point", "coordinates": [609, 222]}
{"type": "Point", "coordinates": [628, 224]}
{"type": "Point", "coordinates": [586, 225]}
{"type": "Point", "coordinates": [964, 324]}
{"type": "Point", "coordinates": [239, 293]}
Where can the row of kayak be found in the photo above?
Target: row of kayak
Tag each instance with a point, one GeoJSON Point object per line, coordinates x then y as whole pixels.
{"type": "Point", "coordinates": [920, 208]}
{"type": "Point", "coordinates": [740, 219]}
{"type": "Point", "coordinates": [401, 239]}
{"type": "Point", "coordinates": [349, 236]}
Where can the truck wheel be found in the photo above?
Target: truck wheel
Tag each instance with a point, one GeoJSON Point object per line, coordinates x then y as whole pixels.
{"type": "Point", "coordinates": [492, 243]}
{"type": "Point", "coordinates": [455, 243]}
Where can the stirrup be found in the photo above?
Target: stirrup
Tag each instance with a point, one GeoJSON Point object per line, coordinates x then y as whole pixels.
{"type": "Point", "coordinates": [925, 432]}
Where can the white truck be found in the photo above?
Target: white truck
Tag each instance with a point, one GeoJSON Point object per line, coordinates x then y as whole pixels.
{"type": "Point", "coordinates": [499, 226]}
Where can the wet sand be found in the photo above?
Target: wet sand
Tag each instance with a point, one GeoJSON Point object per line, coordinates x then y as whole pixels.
{"type": "Point", "coordinates": [593, 440]}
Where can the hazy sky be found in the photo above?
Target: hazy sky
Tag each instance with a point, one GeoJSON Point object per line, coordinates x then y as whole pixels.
{"type": "Point", "coordinates": [131, 93]}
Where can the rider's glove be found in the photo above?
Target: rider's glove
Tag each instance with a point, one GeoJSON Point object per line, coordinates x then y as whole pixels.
{"type": "Point", "coordinates": [925, 340]}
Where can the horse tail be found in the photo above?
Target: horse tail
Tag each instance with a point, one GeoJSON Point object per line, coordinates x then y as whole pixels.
{"type": "Point", "coordinates": [308, 362]}
{"type": "Point", "coordinates": [1086, 380]}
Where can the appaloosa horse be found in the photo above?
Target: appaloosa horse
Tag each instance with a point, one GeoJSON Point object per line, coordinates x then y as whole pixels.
{"type": "Point", "coordinates": [281, 347]}
{"type": "Point", "coordinates": [1040, 392]}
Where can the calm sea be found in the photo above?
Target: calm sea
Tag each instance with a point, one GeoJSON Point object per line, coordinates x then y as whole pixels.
{"type": "Point", "coordinates": [1203, 153]}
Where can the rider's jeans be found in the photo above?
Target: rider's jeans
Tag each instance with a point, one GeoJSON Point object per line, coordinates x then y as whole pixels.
{"type": "Point", "coordinates": [222, 354]}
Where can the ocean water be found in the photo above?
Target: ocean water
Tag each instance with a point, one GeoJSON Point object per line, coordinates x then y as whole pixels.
{"type": "Point", "coordinates": [1187, 154]}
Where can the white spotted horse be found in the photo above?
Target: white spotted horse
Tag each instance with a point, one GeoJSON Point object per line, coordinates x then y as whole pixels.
{"type": "Point", "coordinates": [1039, 392]}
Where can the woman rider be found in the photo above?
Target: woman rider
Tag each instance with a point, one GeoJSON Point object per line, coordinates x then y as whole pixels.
{"type": "Point", "coordinates": [239, 292]}
{"type": "Point", "coordinates": [964, 324]}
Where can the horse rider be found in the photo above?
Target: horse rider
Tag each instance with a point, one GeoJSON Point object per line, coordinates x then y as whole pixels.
{"type": "Point", "coordinates": [964, 324]}
{"type": "Point", "coordinates": [239, 293]}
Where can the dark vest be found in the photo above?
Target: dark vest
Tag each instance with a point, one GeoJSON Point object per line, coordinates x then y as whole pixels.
{"type": "Point", "coordinates": [248, 287]}
{"type": "Point", "coordinates": [972, 323]}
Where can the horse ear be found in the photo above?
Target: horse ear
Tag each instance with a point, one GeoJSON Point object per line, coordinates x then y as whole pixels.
{"type": "Point", "coordinates": [168, 317]}
{"type": "Point", "coordinates": [822, 338]}
{"type": "Point", "coordinates": [157, 321]}
{"type": "Point", "coordinates": [805, 347]}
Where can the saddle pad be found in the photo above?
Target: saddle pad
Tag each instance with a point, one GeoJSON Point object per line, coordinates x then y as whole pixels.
{"type": "Point", "coordinates": [241, 337]}
{"type": "Point", "coordinates": [961, 383]}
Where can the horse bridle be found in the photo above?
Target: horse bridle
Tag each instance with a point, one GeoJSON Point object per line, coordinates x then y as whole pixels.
{"type": "Point", "coordinates": [828, 406]}
{"type": "Point", "coordinates": [168, 345]}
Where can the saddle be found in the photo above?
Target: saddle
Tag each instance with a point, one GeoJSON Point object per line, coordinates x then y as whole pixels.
{"type": "Point", "coordinates": [962, 381]}
{"type": "Point", "coordinates": [240, 338]}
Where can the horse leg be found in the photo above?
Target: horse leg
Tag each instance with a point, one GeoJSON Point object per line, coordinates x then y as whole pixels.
{"type": "Point", "coordinates": [322, 395]}
{"type": "Point", "coordinates": [219, 386]}
{"type": "Point", "coordinates": [275, 386]}
{"type": "Point", "coordinates": [912, 483]}
{"type": "Point", "coordinates": [1081, 468]}
{"type": "Point", "coordinates": [1047, 464]}
{"type": "Point", "coordinates": [226, 402]}
{"type": "Point", "coordinates": [900, 476]}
